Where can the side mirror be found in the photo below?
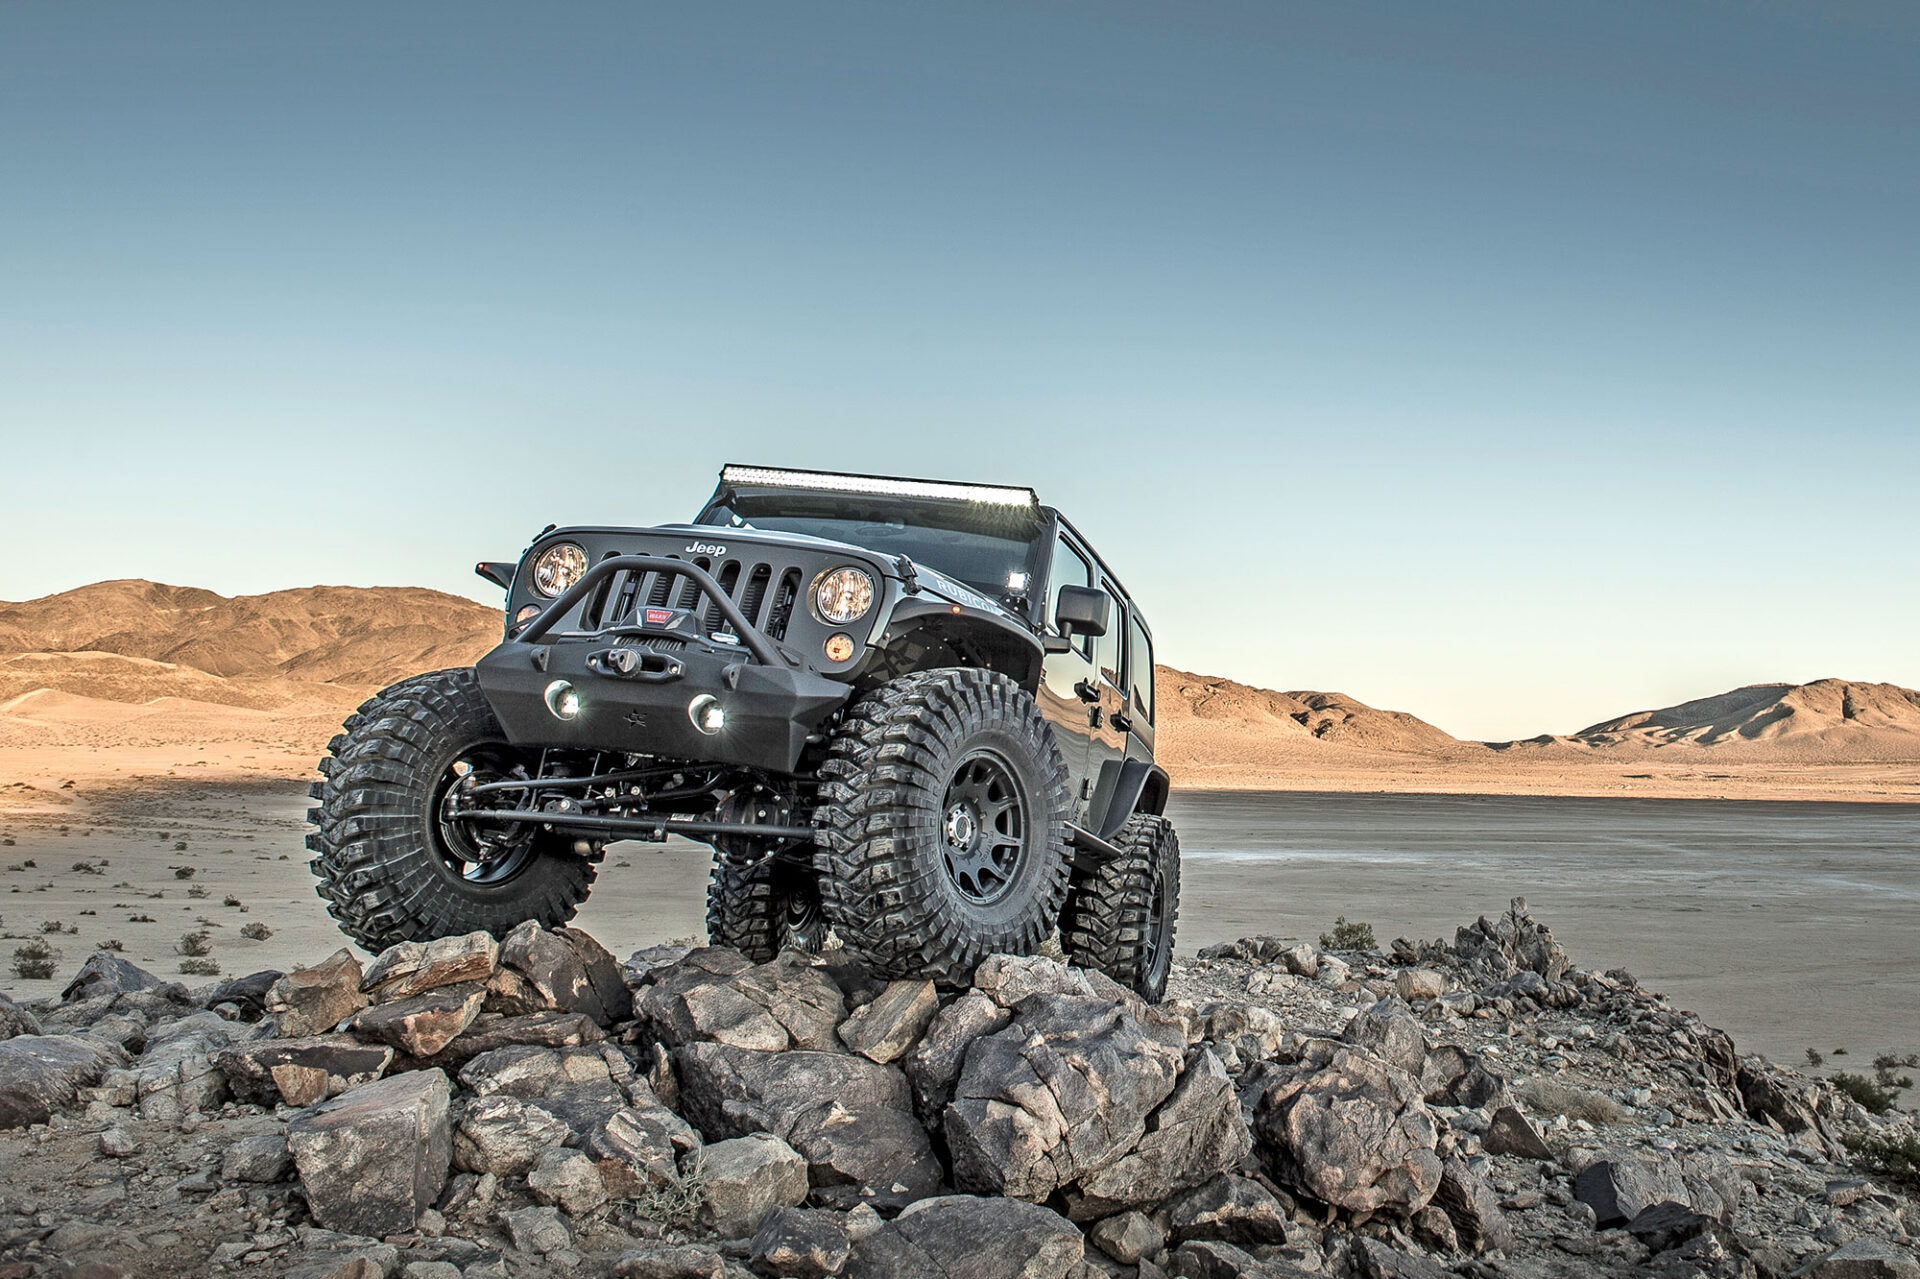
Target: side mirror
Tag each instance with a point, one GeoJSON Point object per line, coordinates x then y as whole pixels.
{"type": "Point", "coordinates": [1082, 610]}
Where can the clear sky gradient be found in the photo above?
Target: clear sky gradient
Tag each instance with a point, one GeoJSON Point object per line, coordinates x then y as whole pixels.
{"type": "Point", "coordinates": [1516, 365]}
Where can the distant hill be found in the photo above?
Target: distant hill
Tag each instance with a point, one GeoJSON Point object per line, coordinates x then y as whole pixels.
{"type": "Point", "coordinates": [301, 651]}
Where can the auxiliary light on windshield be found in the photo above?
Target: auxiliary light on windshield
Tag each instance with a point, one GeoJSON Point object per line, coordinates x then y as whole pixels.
{"type": "Point", "coordinates": [829, 482]}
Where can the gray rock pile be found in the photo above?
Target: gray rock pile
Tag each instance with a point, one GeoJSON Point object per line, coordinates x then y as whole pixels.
{"type": "Point", "coordinates": [466, 1109]}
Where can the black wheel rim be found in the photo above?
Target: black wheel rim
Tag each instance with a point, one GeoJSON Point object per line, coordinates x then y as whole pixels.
{"type": "Point", "coordinates": [983, 827]}
{"type": "Point", "coordinates": [1159, 957]}
{"type": "Point", "coordinates": [803, 920]}
{"type": "Point", "coordinates": [475, 854]}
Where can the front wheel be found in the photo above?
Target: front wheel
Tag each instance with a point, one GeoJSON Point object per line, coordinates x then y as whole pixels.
{"type": "Point", "coordinates": [1120, 914]}
{"type": "Point", "coordinates": [391, 866]}
{"type": "Point", "coordinates": [942, 822]}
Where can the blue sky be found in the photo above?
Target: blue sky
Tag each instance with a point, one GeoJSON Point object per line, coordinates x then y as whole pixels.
{"type": "Point", "coordinates": [1514, 365]}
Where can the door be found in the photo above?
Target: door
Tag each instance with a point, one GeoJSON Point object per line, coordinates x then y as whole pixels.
{"type": "Point", "coordinates": [1107, 741]}
{"type": "Point", "coordinates": [1069, 685]}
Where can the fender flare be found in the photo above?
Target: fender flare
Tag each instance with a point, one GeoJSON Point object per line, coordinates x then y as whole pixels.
{"type": "Point", "coordinates": [1141, 788]}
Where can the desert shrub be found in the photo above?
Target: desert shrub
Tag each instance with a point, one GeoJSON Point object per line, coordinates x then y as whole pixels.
{"type": "Point", "coordinates": [179, 846]}
{"type": "Point", "coordinates": [88, 868]}
{"type": "Point", "coordinates": [200, 967]}
{"type": "Point", "coordinates": [1814, 1058]}
{"type": "Point", "coordinates": [112, 943]}
{"type": "Point", "coordinates": [230, 900]}
{"type": "Point", "coordinates": [1886, 1064]}
{"type": "Point", "coordinates": [197, 891]}
{"type": "Point", "coordinates": [1877, 1100]}
{"type": "Point", "coordinates": [183, 872]}
{"type": "Point", "coordinates": [1348, 936]}
{"type": "Point", "coordinates": [196, 943]}
{"type": "Point", "coordinates": [256, 932]}
{"type": "Point", "coordinates": [57, 926]}
{"type": "Point", "coordinates": [139, 919]}
{"type": "Point", "coordinates": [1548, 1097]}
{"type": "Point", "coordinates": [35, 961]}
{"type": "Point", "coordinates": [1895, 1158]}
{"type": "Point", "coordinates": [675, 1204]}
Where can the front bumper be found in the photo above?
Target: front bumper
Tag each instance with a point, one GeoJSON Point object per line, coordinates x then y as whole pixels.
{"type": "Point", "coordinates": [635, 683]}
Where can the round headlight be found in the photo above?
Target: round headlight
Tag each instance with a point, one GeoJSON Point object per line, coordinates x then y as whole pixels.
{"type": "Point", "coordinates": [842, 595]}
{"type": "Point", "coordinates": [557, 568]}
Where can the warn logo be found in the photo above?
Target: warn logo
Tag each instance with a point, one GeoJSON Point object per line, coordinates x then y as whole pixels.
{"type": "Point", "coordinates": [705, 548]}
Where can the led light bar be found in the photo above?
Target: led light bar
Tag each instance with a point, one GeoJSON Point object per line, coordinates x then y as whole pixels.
{"type": "Point", "coordinates": [826, 482]}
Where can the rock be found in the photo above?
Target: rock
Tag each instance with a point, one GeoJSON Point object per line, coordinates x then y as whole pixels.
{"type": "Point", "coordinates": [643, 965]}
{"type": "Point", "coordinates": [537, 1230]}
{"type": "Point", "coordinates": [933, 1066]}
{"type": "Point", "coordinates": [262, 1157]}
{"type": "Point", "coordinates": [1197, 1131]}
{"type": "Point", "coordinates": [105, 973]}
{"type": "Point", "coordinates": [430, 1270]}
{"type": "Point", "coordinates": [1229, 1208]}
{"type": "Point", "coordinates": [788, 1003]}
{"type": "Point", "coordinates": [565, 969]}
{"type": "Point", "coordinates": [15, 1020]}
{"type": "Point", "coordinates": [796, 1243]}
{"type": "Point", "coordinates": [414, 968]}
{"type": "Point", "coordinates": [1473, 1208]}
{"type": "Point", "coordinates": [490, 1031]}
{"type": "Point", "coordinates": [640, 1146]}
{"type": "Point", "coordinates": [1244, 1033]}
{"type": "Point", "coordinates": [176, 1073]}
{"type": "Point", "coordinates": [372, 1159]}
{"type": "Point", "coordinates": [1008, 979]}
{"type": "Point", "coordinates": [1668, 1225]}
{"type": "Point", "coordinates": [1417, 985]}
{"type": "Point", "coordinates": [300, 1071]}
{"type": "Point", "coordinates": [1619, 1189]}
{"type": "Point", "coordinates": [1212, 1259]}
{"type": "Point", "coordinates": [574, 1085]}
{"type": "Point", "coordinates": [1127, 1237]}
{"type": "Point", "coordinates": [1063, 1091]}
{"type": "Point", "coordinates": [248, 994]}
{"type": "Point", "coordinates": [1863, 1259]}
{"type": "Point", "coordinates": [118, 1143]}
{"type": "Point", "coordinates": [887, 1028]}
{"type": "Point", "coordinates": [568, 1180]}
{"type": "Point", "coordinates": [1392, 1033]}
{"type": "Point", "coordinates": [1348, 1129]}
{"type": "Point", "coordinates": [964, 1237]}
{"type": "Point", "coordinates": [690, 1261]}
{"type": "Point", "coordinates": [41, 1075]}
{"type": "Point", "coordinates": [1511, 1133]}
{"type": "Point", "coordinates": [1455, 1077]}
{"type": "Point", "coordinates": [1375, 1260]}
{"type": "Point", "coordinates": [865, 1154]}
{"type": "Point", "coordinates": [745, 1178]}
{"type": "Point", "coordinates": [504, 1136]}
{"type": "Point", "coordinates": [422, 1025]}
{"type": "Point", "coordinates": [1301, 960]}
{"type": "Point", "coordinates": [315, 1000]}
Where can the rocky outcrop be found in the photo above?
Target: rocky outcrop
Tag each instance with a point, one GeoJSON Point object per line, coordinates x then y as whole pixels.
{"type": "Point", "coordinates": [484, 1111]}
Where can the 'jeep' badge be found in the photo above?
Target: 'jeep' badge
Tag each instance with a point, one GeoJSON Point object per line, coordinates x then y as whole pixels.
{"type": "Point", "coordinates": [705, 548]}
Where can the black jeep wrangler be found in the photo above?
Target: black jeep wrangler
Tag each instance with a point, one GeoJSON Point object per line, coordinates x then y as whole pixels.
{"type": "Point", "coordinates": [918, 713]}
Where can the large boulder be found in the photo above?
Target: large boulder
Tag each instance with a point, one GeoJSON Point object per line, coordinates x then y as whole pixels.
{"type": "Point", "coordinates": [414, 968]}
{"type": "Point", "coordinates": [15, 1020]}
{"type": "Point", "coordinates": [1197, 1131]}
{"type": "Point", "coordinates": [315, 1000]}
{"type": "Point", "coordinates": [422, 1025]}
{"type": "Point", "coordinates": [1453, 1076]}
{"type": "Point", "coordinates": [176, 1073]}
{"type": "Point", "coordinates": [41, 1075]}
{"type": "Point", "coordinates": [302, 1071]}
{"type": "Point", "coordinates": [1390, 1032]}
{"type": "Point", "coordinates": [848, 1115]}
{"type": "Point", "coordinates": [933, 1066]}
{"type": "Point", "coordinates": [1064, 1091]}
{"type": "Point", "coordinates": [1348, 1129]}
{"type": "Point", "coordinates": [640, 1147]}
{"type": "Point", "coordinates": [713, 995]}
{"type": "Point", "coordinates": [798, 1243]}
{"type": "Point", "coordinates": [1620, 1187]}
{"type": "Point", "coordinates": [964, 1237]}
{"type": "Point", "coordinates": [548, 1029]}
{"type": "Point", "coordinates": [1231, 1209]}
{"type": "Point", "coordinates": [505, 1136]}
{"type": "Point", "coordinates": [745, 1178]}
{"type": "Point", "coordinates": [573, 1084]}
{"type": "Point", "coordinates": [1473, 1209]}
{"type": "Point", "coordinates": [885, 1028]}
{"type": "Point", "coordinates": [374, 1158]}
{"type": "Point", "coordinates": [559, 969]}
{"type": "Point", "coordinates": [105, 973]}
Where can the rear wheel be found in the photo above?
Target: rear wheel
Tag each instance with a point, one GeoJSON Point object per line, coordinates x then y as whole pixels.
{"type": "Point", "coordinates": [942, 819]}
{"type": "Point", "coordinates": [1120, 914]}
{"type": "Point", "coordinates": [392, 866]}
{"type": "Point", "coordinates": [761, 902]}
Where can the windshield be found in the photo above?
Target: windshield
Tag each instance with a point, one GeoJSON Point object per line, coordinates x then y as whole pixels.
{"type": "Point", "coordinates": [982, 546]}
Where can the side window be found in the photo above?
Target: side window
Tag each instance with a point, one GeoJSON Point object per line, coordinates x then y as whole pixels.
{"type": "Point", "coordinates": [1070, 568]}
{"type": "Point", "coordinates": [1140, 667]}
{"type": "Point", "coordinates": [1107, 648]}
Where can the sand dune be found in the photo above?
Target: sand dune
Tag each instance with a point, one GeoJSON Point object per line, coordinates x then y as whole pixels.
{"type": "Point", "coordinates": [174, 676]}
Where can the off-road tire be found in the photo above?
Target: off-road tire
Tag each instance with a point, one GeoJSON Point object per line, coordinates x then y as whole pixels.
{"type": "Point", "coordinates": [882, 818]}
{"type": "Point", "coordinates": [760, 908]}
{"type": "Point", "coordinates": [375, 854]}
{"type": "Point", "coordinates": [1109, 922]}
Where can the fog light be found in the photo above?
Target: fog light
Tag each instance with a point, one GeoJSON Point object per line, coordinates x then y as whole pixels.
{"type": "Point", "coordinates": [839, 647]}
{"type": "Point", "coordinates": [563, 700]}
{"type": "Point", "coordinates": [707, 714]}
{"type": "Point", "coordinates": [526, 614]}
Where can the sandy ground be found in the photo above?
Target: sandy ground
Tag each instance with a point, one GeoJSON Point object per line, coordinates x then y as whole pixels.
{"type": "Point", "coordinates": [1791, 925]}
